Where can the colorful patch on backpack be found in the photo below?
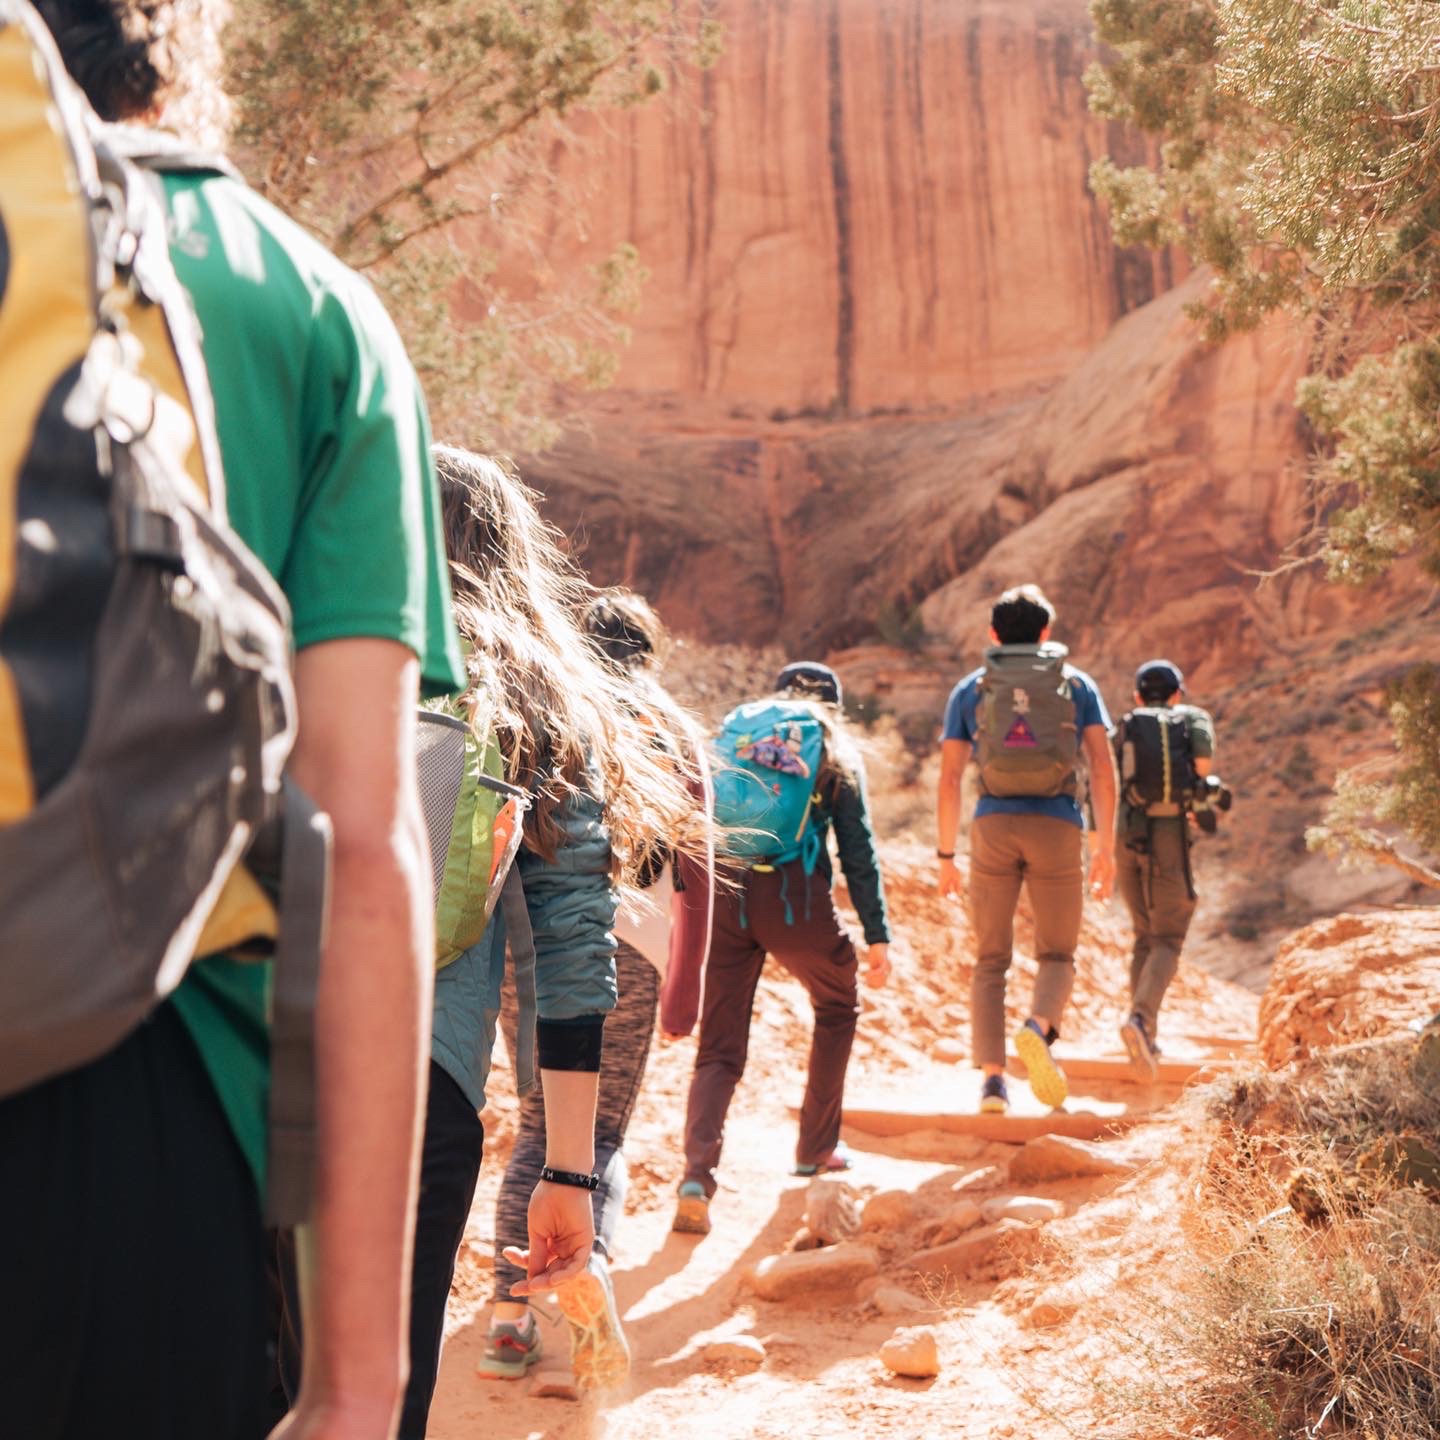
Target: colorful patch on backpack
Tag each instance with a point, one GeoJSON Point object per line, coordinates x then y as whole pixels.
{"type": "Point", "coordinates": [1021, 736]}
{"type": "Point", "coordinates": [780, 751]}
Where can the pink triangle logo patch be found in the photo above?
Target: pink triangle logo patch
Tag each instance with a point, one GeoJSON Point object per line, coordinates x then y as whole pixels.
{"type": "Point", "coordinates": [1021, 736]}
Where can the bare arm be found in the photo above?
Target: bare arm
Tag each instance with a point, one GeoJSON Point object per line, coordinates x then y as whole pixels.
{"type": "Point", "coordinates": [954, 757]}
{"type": "Point", "coordinates": [562, 1218]}
{"type": "Point", "coordinates": [1103, 789]}
{"type": "Point", "coordinates": [355, 757]}
{"type": "Point", "coordinates": [1203, 765]}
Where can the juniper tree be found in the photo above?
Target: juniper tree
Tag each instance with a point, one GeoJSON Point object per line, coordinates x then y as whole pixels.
{"type": "Point", "coordinates": [1299, 159]}
{"type": "Point", "coordinates": [413, 137]}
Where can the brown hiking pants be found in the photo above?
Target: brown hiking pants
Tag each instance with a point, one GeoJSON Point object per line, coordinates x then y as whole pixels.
{"type": "Point", "coordinates": [816, 950]}
{"type": "Point", "coordinates": [1044, 855]}
{"type": "Point", "coordinates": [1154, 888]}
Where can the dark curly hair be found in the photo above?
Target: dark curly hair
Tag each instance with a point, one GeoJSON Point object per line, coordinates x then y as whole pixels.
{"type": "Point", "coordinates": [134, 57]}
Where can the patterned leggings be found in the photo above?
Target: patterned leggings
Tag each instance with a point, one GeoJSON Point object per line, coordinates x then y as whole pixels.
{"type": "Point", "coordinates": [628, 1032]}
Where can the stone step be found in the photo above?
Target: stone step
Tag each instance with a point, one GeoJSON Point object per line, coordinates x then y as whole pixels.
{"type": "Point", "coordinates": [1012, 1129]}
{"type": "Point", "coordinates": [1117, 1068]}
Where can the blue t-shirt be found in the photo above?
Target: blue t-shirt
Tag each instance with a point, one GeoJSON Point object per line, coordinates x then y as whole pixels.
{"type": "Point", "coordinates": [960, 714]}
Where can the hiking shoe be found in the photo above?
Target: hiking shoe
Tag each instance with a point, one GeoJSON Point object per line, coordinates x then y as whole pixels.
{"type": "Point", "coordinates": [511, 1348]}
{"type": "Point", "coordinates": [599, 1352]}
{"type": "Point", "coordinates": [1144, 1053]}
{"type": "Point", "coordinates": [692, 1214]}
{"type": "Point", "coordinates": [1047, 1079]}
{"type": "Point", "coordinates": [994, 1097]}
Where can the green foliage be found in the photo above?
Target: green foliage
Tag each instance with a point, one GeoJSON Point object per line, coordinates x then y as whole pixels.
{"type": "Point", "coordinates": [901, 627]}
{"type": "Point", "coordinates": [414, 137]}
{"type": "Point", "coordinates": [1299, 158]}
{"type": "Point", "coordinates": [1403, 795]}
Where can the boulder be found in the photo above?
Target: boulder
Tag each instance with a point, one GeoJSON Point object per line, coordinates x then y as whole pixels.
{"type": "Point", "coordinates": [999, 1249]}
{"type": "Point", "coordinates": [806, 1239]}
{"type": "Point", "coordinates": [1349, 978]}
{"type": "Point", "coordinates": [831, 1212]}
{"type": "Point", "coordinates": [988, 1177]}
{"type": "Point", "coordinates": [892, 1300]}
{"type": "Point", "coordinates": [912, 1353]}
{"type": "Point", "coordinates": [1055, 1157]}
{"type": "Point", "coordinates": [1055, 1307]}
{"type": "Point", "coordinates": [887, 1210]}
{"type": "Point", "coordinates": [949, 1050]}
{"type": "Point", "coordinates": [798, 1273]}
{"type": "Point", "coordinates": [735, 1350]}
{"type": "Point", "coordinates": [1030, 1208]}
{"type": "Point", "coordinates": [965, 1215]}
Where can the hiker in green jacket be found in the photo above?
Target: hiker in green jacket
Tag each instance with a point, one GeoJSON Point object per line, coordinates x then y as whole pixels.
{"type": "Point", "coordinates": [780, 904]}
{"type": "Point", "coordinates": [1165, 750]}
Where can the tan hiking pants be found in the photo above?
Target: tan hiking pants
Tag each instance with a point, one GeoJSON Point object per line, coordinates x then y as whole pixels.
{"type": "Point", "coordinates": [1154, 889]}
{"type": "Point", "coordinates": [1044, 855]}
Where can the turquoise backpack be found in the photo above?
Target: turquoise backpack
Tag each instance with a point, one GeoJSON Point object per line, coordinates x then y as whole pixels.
{"type": "Point", "coordinates": [768, 755]}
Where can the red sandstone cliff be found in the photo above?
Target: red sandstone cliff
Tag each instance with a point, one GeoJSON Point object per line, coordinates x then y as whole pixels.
{"type": "Point", "coordinates": [890, 362]}
{"type": "Point", "coordinates": [868, 204]}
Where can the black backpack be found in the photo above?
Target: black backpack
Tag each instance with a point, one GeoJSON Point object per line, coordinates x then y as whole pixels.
{"type": "Point", "coordinates": [1157, 760]}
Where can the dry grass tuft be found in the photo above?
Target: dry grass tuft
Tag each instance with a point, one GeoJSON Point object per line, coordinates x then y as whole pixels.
{"type": "Point", "coordinates": [1306, 1302]}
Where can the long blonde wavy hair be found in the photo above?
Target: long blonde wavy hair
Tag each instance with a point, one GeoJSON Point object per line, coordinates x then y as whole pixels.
{"type": "Point", "coordinates": [564, 718]}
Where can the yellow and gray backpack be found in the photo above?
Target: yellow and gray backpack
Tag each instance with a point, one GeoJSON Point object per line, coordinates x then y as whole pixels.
{"type": "Point", "coordinates": [146, 702]}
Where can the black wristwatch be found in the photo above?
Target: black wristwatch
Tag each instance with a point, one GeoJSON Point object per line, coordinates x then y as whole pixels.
{"type": "Point", "coordinates": [946, 854]}
{"type": "Point", "coordinates": [570, 1177]}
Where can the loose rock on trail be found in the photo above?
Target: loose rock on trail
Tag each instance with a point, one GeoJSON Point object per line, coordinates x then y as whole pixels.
{"type": "Point", "coordinates": [738, 1328]}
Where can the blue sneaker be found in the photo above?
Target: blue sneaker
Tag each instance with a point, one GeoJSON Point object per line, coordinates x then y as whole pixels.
{"type": "Point", "coordinates": [692, 1214]}
{"type": "Point", "coordinates": [994, 1097]}
{"type": "Point", "coordinates": [1144, 1052]}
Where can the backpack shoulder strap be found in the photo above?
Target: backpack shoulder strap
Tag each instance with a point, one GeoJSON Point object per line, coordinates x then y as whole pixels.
{"type": "Point", "coordinates": [165, 154]}
{"type": "Point", "coordinates": [521, 942]}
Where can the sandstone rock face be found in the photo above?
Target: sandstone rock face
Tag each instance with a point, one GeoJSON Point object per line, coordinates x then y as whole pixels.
{"type": "Point", "coordinates": [869, 205]}
{"type": "Point", "coordinates": [1350, 978]}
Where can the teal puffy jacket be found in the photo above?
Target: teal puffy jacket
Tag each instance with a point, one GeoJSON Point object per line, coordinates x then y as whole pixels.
{"type": "Point", "coordinates": [572, 902]}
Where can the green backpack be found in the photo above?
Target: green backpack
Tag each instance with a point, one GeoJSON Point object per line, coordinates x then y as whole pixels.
{"type": "Point", "coordinates": [1025, 733]}
{"type": "Point", "coordinates": [476, 822]}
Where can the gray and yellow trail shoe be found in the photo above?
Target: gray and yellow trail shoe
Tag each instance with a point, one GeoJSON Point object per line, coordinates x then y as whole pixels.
{"type": "Point", "coordinates": [599, 1352]}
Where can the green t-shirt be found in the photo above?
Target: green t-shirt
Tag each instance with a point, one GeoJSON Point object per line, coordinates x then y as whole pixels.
{"type": "Point", "coordinates": [326, 449]}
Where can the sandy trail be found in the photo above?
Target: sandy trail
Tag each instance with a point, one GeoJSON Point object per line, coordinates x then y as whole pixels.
{"type": "Point", "coordinates": [1000, 1376]}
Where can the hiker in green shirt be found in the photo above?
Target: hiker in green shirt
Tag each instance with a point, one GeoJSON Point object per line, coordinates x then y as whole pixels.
{"type": "Point", "coordinates": [155, 1154]}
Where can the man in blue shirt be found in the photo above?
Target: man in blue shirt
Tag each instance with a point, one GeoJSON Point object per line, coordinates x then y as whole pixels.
{"type": "Point", "coordinates": [1026, 717]}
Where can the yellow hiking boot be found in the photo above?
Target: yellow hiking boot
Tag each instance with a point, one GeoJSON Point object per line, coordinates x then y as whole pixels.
{"type": "Point", "coordinates": [1047, 1079]}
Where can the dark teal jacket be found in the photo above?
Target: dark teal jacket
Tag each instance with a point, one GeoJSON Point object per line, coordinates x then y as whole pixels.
{"type": "Point", "coordinates": [571, 901]}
